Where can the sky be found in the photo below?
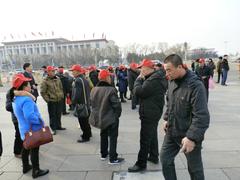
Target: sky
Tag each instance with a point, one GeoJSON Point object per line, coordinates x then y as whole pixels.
{"type": "Point", "coordinates": [200, 23]}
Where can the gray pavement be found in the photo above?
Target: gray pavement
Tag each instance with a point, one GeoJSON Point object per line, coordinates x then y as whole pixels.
{"type": "Point", "coordinates": [70, 160]}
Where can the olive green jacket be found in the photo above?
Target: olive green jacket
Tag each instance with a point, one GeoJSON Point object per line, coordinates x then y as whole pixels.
{"type": "Point", "coordinates": [51, 89]}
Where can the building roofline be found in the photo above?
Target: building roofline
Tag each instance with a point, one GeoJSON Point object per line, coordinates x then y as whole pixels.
{"type": "Point", "coordinates": [57, 40]}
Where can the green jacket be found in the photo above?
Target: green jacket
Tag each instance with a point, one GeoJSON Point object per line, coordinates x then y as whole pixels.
{"type": "Point", "coordinates": [51, 89]}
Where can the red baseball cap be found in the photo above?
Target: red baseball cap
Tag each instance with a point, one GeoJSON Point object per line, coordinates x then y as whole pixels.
{"type": "Point", "coordinates": [103, 74]}
{"type": "Point", "coordinates": [110, 68]}
{"type": "Point", "coordinates": [121, 67]}
{"type": "Point", "coordinates": [201, 60]}
{"type": "Point", "coordinates": [146, 63]}
{"type": "Point", "coordinates": [18, 80]}
{"type": "Point", "coordinates": [133, 65]}
{"type": "Point", "coordinates": [92, 68]}
{"type": "Point", "coordinates": [51, 68]}
{"type": "Point", "coordinates": [76, 67]}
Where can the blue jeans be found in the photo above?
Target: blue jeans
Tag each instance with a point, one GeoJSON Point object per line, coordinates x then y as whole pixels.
{"type": "Point", "coordinates": [170, 149]}
{"type": "Point", "coordinates": [224, 76]}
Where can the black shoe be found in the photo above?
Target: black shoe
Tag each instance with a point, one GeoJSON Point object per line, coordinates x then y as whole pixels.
{"type": "Point", "coordinates": [116, 161]}
{"type": "Point", "coordinates": [87, 138]}
{"type": "Point", "coordinates": [123, 101]}
{"type": "Point", "coordinates": [61, 128]}
{"type": "Point", "coordinates": [153, 160]}
{"type": "Point", "coordinates": [27, 168]}
{"type": "Point", "coordinates": [39, 172]}
{"type": "Point", "coordinates": [83, 140]}
{"type": "Point", "coordinates": [136, 168]}
{"type": "Point", "coordinates": [65, 113]}
{"type": "Point", "coordinates": [54, 132]}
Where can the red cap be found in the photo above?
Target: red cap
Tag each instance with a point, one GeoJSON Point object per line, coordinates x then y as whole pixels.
{"type": "Point", "coordinates": [51, 68]}
{"type": "Point", "coordinates": [18, 79]}
{"type": "Point", "coordinates": [76, 67]}
{"type": "Point", "coordinates": [201, 60]}
{"type": "Point", "coordinates": [60, 70]}
{"type": "Point", "coordinates": [146, 63]}
{"type": "Point", "coordinates": [133, 65]}
{"type": "Point", "coordinates": [92, 68]}
{"type": "Point", "coordinates": [110, 68]}
{"type": "Point", "coordinates": [121, 67]}
{"type": "Point", "coordinates": [103, 74]}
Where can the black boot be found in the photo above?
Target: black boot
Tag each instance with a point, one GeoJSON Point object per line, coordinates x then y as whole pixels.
{"type": "Point", "coordinates": [39, 172]}
{"type": "Point", "coordinates": [26, 168]}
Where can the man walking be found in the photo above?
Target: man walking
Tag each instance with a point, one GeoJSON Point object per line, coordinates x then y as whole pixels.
{"type": "Point", "coordinates": [52, 93]}
{"type": "Point", "coordinates": [150, 88]}
{"type": "Point", "coordinates": [185, 121]}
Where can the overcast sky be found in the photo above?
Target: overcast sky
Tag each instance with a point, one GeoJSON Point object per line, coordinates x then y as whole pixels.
{"type": "Point", "coordinates": [201, 23]}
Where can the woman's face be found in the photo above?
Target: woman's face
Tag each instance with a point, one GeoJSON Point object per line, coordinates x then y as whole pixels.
{"type": "Point", "coordinates": [27, 88]}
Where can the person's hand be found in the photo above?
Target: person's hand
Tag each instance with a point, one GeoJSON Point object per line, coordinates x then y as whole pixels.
{"type": "Point", "coordinates": [165, 126]}
{"type": "Point", "coordinates": [187, 145]}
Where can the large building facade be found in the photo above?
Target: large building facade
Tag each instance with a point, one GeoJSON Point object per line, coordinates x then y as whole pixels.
{"type": "Point", "coordinates": [47, 47]}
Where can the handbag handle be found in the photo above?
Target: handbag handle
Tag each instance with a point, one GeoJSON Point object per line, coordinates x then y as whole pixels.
{"type": "Point", "coordinates": [43, 128]}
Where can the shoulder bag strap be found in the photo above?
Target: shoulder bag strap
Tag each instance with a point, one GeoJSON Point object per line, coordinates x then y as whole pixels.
{"type": "Point", "coordinates": [84, 91]}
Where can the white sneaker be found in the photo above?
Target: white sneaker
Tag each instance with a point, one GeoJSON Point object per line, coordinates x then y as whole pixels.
{"type": "Point", "coordinates": [104, 158]}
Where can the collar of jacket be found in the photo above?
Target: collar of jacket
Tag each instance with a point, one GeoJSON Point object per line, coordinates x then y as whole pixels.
{"type": "Point", "coordinates": [103, 83]}
{"type": "Point", "coordinates": [54, 77]}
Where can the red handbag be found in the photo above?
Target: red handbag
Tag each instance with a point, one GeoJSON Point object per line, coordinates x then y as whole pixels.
{"type": "Point", "coordinates": [34, 139]}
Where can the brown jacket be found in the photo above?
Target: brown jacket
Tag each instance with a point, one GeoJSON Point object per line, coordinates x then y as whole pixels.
{"type": "Point", "coordinates": [51, 89]}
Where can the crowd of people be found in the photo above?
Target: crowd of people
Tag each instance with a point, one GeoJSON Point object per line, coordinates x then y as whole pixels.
{"type": "Point", "coordinates": [96, 97]}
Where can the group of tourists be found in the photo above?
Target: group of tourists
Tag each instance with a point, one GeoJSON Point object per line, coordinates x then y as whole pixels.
{"type": "Point", "coordinates": [96, 98]}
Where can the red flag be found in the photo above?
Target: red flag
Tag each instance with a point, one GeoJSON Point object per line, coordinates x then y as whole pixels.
{"type": "Point", "coordinates": [33, 34]}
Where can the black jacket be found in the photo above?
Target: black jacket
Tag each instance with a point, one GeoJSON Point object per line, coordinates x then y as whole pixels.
{"type": "Point", "coordinates": [32, 82]}
{"type": "Point", "coordinates": [9, 107]}
{"type": "Point", "coordinates": [151, 93]}
{"type": "Point", "coordinates": [187, 111]}
{"type": "Point", "coordinates": [225, 64]}
{"type": "Point", "coordinates": [204, 71]}
{"type": "Point", "coordinates": [77, 91]}
{"type": "Point", "coordinates": [94, 77]}
{"type": "Point", "coordinates": [65, 83]}
{"type": "Point", "coordinates": [132, 76]}
{"type": "Point", "coordinates": [106, 107]}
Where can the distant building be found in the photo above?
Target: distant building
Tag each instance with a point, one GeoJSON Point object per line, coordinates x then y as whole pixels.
{"type": "Point", "coordinates": [202, 53]}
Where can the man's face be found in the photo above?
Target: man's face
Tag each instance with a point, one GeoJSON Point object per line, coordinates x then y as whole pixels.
{"type": "Point", "coordinates": [29, 68]}
{"type": "Point", "coordinates": [201, 64]}
{"type": "Point", "coordinates": [172, 72]}
{"type": "Point", "coordinates": [146, 70]}
{"type": "Point", "coordinates": [51, 73]}
{"type": "Point", "coordinates": [75, 73]}
{"type": "Point", "coordinates": [225, 57]}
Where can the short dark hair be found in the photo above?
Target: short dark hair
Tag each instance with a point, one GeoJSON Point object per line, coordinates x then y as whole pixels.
{"type": "Point", "coordinates": [26, 65]}
{"type": "Point", "coordinates": [225, 55]}
{"type": "Point", "coordinates": [44, 67]}
{"type": "Point", "coordinates": [220, 57]}
{"type": "Point", "coordinates": [175, 59]}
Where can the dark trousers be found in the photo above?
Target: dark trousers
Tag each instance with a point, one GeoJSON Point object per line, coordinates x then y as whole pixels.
{"type": "Point", "coordinates": [224, 76]}
{"type": "Point", "coordinates": [121, 96]}
{"type": "Point", "coordinates": [134, 100]}
{"type": "Point", "coordinates": [85, 127]}
{"type": "Point", "coordinates": [148, 142]}
{"type": "Point", "coordinates": [170, 149]}
{"type": "Point", "coordinates": [111, 132]}
{"type": "Point", "coordinates": [64, 104]}
{"type": "Point", "coordinates": [1, 149]}
{"type": "Point", "coordinates": [55, 112]}
{"type": "Point", "coordinates": [219, 76]}
{"type": "Point", "coordinates": [34, 157]}
{"type": "Point", "coordinates": [18, 143]}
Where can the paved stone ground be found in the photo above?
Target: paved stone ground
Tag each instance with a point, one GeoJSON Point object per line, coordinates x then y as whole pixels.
{"type": "Point", "coordinates": [68, 159]}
